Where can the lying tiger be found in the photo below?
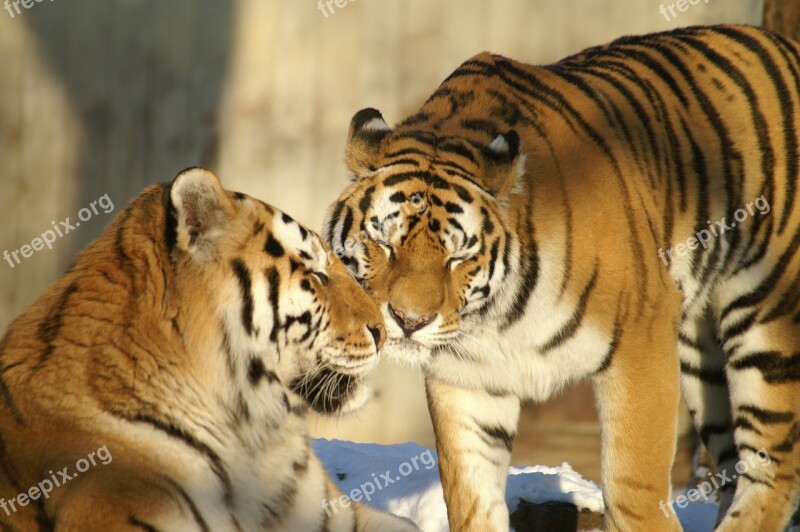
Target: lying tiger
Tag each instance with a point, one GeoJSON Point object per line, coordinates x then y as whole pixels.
{"type": "Point", "coordinates": [188, 341]}
{"type": "Point", "coordinates": [628, 215]}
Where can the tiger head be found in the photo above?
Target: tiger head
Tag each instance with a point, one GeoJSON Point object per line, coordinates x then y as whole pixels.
{"type": "Point", "coordinates": [424, 226]}
{"type": "Point", "coordinates": [289, 312]}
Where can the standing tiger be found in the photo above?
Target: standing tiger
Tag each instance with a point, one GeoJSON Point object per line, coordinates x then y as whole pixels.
{"type": "Point", "coordinates": [551, 194]}
{"type": "Point", "coordinates": [188, 340]}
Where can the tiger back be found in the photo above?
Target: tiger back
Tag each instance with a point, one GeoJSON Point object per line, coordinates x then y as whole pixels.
{"type": "Point", "coordinates": [168, 372]}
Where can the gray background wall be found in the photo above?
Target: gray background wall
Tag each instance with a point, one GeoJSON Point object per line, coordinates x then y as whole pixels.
{"type": "Point", "coordinates": [106, 96]}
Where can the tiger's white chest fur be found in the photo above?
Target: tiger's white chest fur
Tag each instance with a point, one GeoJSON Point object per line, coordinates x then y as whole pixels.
{"type": "Point", "coordinates": [237, 474]}
{"type": "Point", "coordinates": [516, 358]}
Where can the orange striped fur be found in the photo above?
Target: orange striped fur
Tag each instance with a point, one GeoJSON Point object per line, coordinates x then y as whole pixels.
{"type": "Point", "coordinates": [570, 232]}
{"type": "Point", "coordinates": [189, 340]}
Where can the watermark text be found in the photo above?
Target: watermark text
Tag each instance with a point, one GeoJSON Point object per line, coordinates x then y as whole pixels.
{"type": "Point", "coordinates": [704, 236]}
{"type": "Point", "coordinates": [59, 229]}
{"type": "Point", "coordinates": [56, 480]}
{"type": "Point", "coordinates": [378, 482]}
{"type": "Point", "coordinates": [716, 481]}
{"type": "Point", "coordinates": [680, 5]}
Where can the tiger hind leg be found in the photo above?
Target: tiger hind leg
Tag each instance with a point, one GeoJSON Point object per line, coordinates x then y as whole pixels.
{"type": "Point", "coordinates": [705, 391]}
{"type": "Point", "coordinates": [763, 371]}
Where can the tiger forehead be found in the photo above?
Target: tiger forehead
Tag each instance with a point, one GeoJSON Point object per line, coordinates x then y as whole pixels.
{"type": "Point", "coordinates": [395, 212]}
{"type": "Point", "coordinates": [425, 151]}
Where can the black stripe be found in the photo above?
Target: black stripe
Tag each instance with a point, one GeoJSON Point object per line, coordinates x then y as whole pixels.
{"type": "Point", "coordinates": [700, 170]}
{"type": "Point", "coordinates": [614, 116]}
{"type": "Point", "coordinates": [506, 253]}
{"type": "Point", "coordinates": [787, 445]}
{"type": "Point", "coordinates": [5, 392]}
{"type": "Point", "coordinates": [189, 440]}
{"type": "Point", "coordinates": [462, 193]}
{"type": "Point", "coordinates": [488, 226]}
{"type": "Point", "coordinates": [125, 262]}
{"type": "Point", "coordinates": [402, 177]}
{"type": "Point", "coordinates": [256, 371]}
{"type": "Point", "coordinates": [170, 219]}
{"type": "Point", "coordinates": [684, 339]}
{"type": "Point", "coordinates": [552, 98]}
{"type": "Point", "coordinates": [366, 199]}
{"type": "Point", "coordinates": [141, 524]}
{"type": "Point", "coordinates": [758, 294]}
{"type": "Point", "coordinates": [481, 125]}
{"type": "Point", "coordinates": [572, 325]}
{"type": "Point", "coordinates": [632, 72]}
{"type": "Point", "coordinates": [407, 151]}
{"type": "Point", "coordinates": [766, 232]}
{"type": "Point", "coordinates": [453, 208]}
{"type": "Point", "coordinates": [738, 328]}
{"type": "Point", "coordinates": [337, 211]}
{"type": "Point", "coordinates": [762, 131]}
{"type": "Point", "coordinates": [743, 423]}
{"type": "Point", "coordinates": [498, 435]}
{"type": "Point", "coordinates": [423, 137]}
{"type": "Point", "coordinates": [274, 280]}
{"type": "Point", "coordinates": [745, 447]}
{"type": "Point", "coordinates": [638, 53]}
{"type": "Point", "coordinates": [774, 367]}
{"type": "Point", "coordinates": [787, 114]}
{"type": "Point", "coordinates": [226, 347]}
{"type": "Point", "coordinates": [452, 221]}
{"type": "Point", "coordinates": [530, 275]}
{"type": "Point", "coordinates": [457, 149]}
{"type": "Point", "coordinates": [347, 224]}
{"type": "Point", "coordinates": [767, 417]}
{"type": "Point", "coordinates": [273, 247]}
{"type": "Point", "coordinates": [757, 481]}
{"type": "Point", "coordinates": [404, 160]}
{"type": "Point", "coordinates": [729, 153]}
{"type": "Point", "coordinates": [416, 119]}
{"type": "Point", "coordinates": [246, 287]}
{"type": "Point", "coordinates": [727, 454]}
{"type": "Point", "coordinates": [8, 399]}
{"type": "Point", "coordinates": [52, 323]}
{"type": "Point", "coordinates": [787, 304]}
{"type": "Point", "coordinates": [710, 376]}
{"type": "Point", "coordinates": [612, 347]}
{"type": "Point", "coordinates": [713, 429]}
{"type": "Point", "coordinates": [493, 252]}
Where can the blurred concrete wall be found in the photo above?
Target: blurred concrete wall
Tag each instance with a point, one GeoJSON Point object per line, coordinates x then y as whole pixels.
{"type": "Point", "coordinates": [106, 96]}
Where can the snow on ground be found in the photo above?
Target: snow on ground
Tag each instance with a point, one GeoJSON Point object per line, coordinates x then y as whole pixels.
{"type": "Point", "coordinates": [404, 480]}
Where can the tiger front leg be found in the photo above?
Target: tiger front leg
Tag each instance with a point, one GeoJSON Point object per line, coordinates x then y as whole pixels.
{"type": "Point", "coordinates": [474, 432]}
{"type": "Point", "coordinates": [638, 396]}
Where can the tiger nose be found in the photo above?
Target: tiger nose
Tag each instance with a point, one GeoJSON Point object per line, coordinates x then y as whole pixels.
{"type": "Point", "coordinates": [378, 333]}
{"type": "Point", "coordinates": [409, 325]}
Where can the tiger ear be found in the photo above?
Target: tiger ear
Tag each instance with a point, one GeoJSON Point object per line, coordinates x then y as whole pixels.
{"type": "Point", "coordinates": [367, 131]}
{"type": "Point", "coordinates": [200, 205]}
{"type": "Point", "coordinates": [505, 164]}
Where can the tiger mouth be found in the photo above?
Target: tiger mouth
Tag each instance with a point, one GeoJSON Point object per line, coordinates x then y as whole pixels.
{"type": "Point", "coordinates": [326, 391]}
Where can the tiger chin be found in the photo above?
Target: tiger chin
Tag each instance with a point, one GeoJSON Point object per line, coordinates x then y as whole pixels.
{"type": "Point", "coordinates": [188, 341]}
{"type": "Point", "coordinates": [629, 215]}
